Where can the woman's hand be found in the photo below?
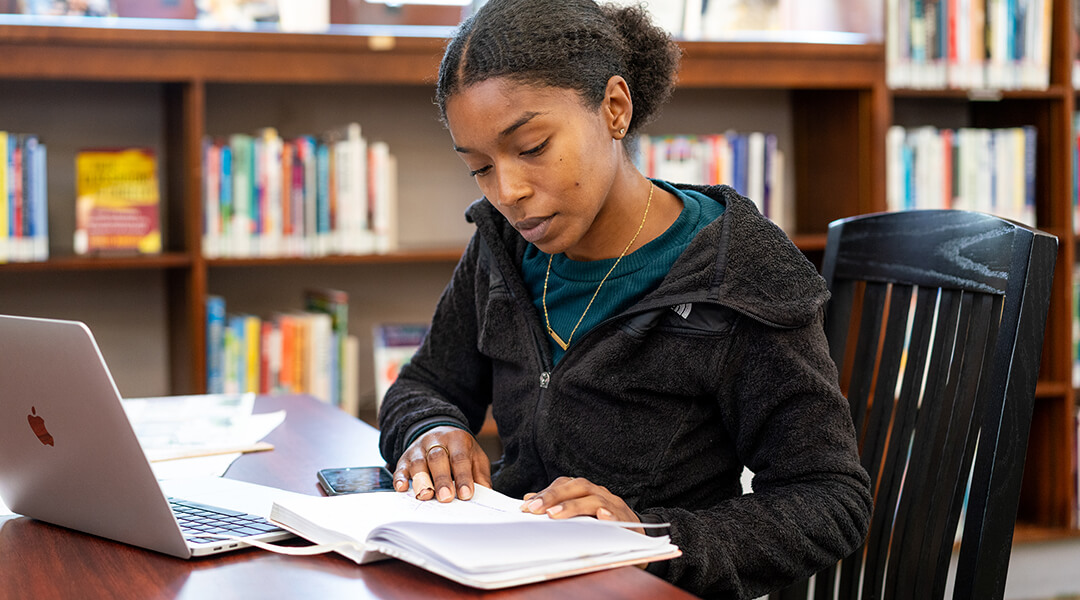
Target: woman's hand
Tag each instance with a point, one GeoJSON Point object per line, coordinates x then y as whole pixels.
{"type": "Point", "coordinates": [575, 496]}
{"type": "Point", "coordinates": [443, 463]}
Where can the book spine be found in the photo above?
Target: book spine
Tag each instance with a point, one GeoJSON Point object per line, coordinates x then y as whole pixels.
{"type": "Point", "coordinates": [225, 189]}
{"type": "Point", "coordinates": [234, 332]}
{"type": "Point", "coordinates": [1029, 134]}
{"type": "Point", "coordinates": [321, 216]}
{"type": "Point", "coordinates": [17, 199]}
{"type": "Point", "coordinates": [211, 198]}
{"type": "Point", "coordinates": [335, 304]}
{"type": "Point", "coordinates": [215, 344]}
{"type": "Point", "coordinates": [41, 204]}
{"type": "Point", "coordinates": [4, 184]}
{"type": "Point", "coordinates": [251, 352]}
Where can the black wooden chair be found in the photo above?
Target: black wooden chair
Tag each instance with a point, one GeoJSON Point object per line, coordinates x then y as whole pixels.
{"type": "Point", "coordinates": [936, 324]}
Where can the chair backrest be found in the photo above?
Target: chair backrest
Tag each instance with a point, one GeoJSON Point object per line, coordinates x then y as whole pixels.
{"type": "Point", "coordinates": [936, 324]}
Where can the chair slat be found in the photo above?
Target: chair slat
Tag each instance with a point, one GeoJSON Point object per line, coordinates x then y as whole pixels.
{"type": "Point", "coordinates": [866, 351]}
{"type": "Point", "coordinates": [898, 453]}
{"type": "Point", "coordinates": [933, 415]}
{"type": "Point", "coordinates": [882, 419]}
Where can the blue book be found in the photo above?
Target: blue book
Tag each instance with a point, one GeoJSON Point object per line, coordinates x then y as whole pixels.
{"type": "Point", "coordinates": [41, 203]}
{"type": "Point", "coordinates": [322, 212]}
{"type": "Point", "coordinates": [215, 345]}
{"type": "Point", "coordinates": [226, 194]}
{"type": "Point", "coordinates": [739, 153]}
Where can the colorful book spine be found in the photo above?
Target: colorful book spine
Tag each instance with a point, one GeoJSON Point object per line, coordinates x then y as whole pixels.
{"type": "Point", "coordinates": [334, 303]}
{"type": "Point", "coordinates": [215, 345]}
{"type": "Point", "coordinates": [986, 170]}
{"type": "Point", "coordinates": [394, 346]}
{"type": "Point", "coordinates": [968, 44]}
{"type": "Point", "coordinates": [267, 196]}
{"type": "Point", "coordinates": [24, 215]}
{"type": "Point", "coordinates": [294, 352]}
{"type": "Point", "coordinates": [752, 163]}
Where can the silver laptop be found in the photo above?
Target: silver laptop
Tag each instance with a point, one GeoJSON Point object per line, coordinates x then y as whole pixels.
{"type": "Point", "coordinates": [69, 456]}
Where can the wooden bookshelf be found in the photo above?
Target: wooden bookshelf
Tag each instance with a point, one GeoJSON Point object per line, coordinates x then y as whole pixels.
{"type": "Point", "coordinates": [181, 84]}
{"type": "Point", "coordinates": [1048, 501]}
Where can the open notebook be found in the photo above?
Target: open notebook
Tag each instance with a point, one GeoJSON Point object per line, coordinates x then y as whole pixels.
{"type": "Point", "coordinates": [485, 542]}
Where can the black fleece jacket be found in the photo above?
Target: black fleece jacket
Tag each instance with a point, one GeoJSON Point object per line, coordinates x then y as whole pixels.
{"type": "Point", "coordinates": [661, 407]}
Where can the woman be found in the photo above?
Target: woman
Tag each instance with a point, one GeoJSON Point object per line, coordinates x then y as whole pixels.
{"type": "Point", "coordinates": [639, 342]}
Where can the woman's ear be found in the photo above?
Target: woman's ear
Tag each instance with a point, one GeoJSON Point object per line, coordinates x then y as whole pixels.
{"type": "Point", "coordinates": [617, 108]}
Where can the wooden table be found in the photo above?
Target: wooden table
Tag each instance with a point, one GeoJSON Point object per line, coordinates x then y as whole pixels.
{"type": "Point", "coordinates": [43, 561]}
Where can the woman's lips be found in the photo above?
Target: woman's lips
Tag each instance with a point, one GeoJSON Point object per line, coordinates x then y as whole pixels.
{"type": "Point", "coordinates": [533, 229]}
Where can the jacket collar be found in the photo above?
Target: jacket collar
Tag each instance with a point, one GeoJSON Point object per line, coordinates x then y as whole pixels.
{"type": "Point", "coordinates": [742, 261]}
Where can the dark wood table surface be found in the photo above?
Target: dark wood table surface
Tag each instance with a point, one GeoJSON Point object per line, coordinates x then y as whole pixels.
{"type": "Point", "coordinates": [42, 561]}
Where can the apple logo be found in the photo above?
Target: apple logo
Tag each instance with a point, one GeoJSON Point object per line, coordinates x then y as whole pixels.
{"type": "Point", "coordinates": [38, 425]}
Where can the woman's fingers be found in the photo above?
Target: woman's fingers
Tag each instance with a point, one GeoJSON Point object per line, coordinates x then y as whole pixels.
{"type": "Point", "coordinates": [443, 464]}
{"type": "Point", "coordinates": [437, 457]}
{"type": "Point", "coordinates": [573, 497]}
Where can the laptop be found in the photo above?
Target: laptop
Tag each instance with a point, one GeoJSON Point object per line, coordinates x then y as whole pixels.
{"type": "Point", "coordinates": [69, 456]}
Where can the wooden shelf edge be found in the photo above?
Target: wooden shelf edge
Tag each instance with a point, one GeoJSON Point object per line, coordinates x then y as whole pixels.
{"type": "Point", "coordinates": [810, 242]}
{"type": "Point", "coordinates": [174, 260]}
{"type": "Point", "coordinates": [434, 255]}
{"type": "Point", "coordinates": [1053, 92]}
{"type": "Point", "coordinates": [1053, 389]}
{"type": "Point", "coordinates": [1028, 533]}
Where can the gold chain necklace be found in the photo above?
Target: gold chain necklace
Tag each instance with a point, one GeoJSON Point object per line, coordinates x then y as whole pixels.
{"type": "Point", "coordinates": [543, 299]}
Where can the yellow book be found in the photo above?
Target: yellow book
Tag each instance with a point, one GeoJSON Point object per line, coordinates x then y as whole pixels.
{"type": "Point", "coordinates": [252, 352]}
{"type": "Point", "coordinates": [117, 202]}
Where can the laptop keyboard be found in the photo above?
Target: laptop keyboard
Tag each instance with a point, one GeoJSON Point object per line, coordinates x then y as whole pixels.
{"type": "Point", "coordinates": [198, 520]}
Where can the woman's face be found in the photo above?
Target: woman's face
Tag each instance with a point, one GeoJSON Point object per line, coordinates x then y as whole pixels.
{"type": "Point", "coordinates": [542, 158]}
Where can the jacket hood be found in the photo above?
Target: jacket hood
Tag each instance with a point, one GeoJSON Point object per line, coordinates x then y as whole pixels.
{"type": "Point", "coordinates": [741, 260]}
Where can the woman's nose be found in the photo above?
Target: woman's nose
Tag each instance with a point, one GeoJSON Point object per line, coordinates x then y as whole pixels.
{"type": "Point", "coordinates": [512, 187]}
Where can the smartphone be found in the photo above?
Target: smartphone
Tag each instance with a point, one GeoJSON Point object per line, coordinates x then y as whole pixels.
{"type": "Point", "coordinates": [356, 480]}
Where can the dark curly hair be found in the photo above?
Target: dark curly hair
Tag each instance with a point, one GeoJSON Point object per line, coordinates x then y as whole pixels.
{"type": "Point", "coordinates": [573, 44]}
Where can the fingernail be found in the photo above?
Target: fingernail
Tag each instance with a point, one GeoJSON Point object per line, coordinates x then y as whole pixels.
{"type": "Point", "coordinates": [445, 495]}
{"type": "Point", "coordinates": [535, 505]}
{"type": "Point", "coordinates": [425, 494]}
{"type": "Point", "coordinates": [400, 486]}
{"type": "Point", "coordinates": [554, 510]}
{"type": "Point", "coordinates": [464, 492]}
{"type": "Point", "coordinates": [603, 513]}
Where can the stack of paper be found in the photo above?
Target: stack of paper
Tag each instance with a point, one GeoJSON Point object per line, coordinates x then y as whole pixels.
{"type": "Point", "coordinates": [486, 542]}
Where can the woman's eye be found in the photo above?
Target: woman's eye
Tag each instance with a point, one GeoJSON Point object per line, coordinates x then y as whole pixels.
{"type": "Point", "coordinates": [536, 150]}
{"type": "Point", "coordinates": [480, 171]}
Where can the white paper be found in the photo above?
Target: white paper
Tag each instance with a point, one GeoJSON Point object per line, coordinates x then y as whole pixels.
{"type": "Point", "coordinates": [485, 542]}
{"type": "Point", "coordinates": [173, 425]}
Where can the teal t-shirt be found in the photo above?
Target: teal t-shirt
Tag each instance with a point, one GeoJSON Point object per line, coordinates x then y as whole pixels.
{"type": "Point", "coordinates": [572, 283]}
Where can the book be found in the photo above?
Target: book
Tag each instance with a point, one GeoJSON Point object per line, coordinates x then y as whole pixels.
{"type": "Point", "coordinates": [752, 163]}
{"type": "Point", "coordinates": [485, 542]}
{"type": "Point", "coordinates": [117, 202]}
{"type": "Point", "coordinates": [336, 304]}
{"type": "Point", "coordinates": [394, 345]}
{"type": "Point", "coordinates": [215, 344]}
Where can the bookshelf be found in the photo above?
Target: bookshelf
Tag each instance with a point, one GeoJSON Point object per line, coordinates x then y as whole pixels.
{"type": "Point", "coordinates": [78, 84]}
{"type": "Point", "coordinates": [1048, 501]}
